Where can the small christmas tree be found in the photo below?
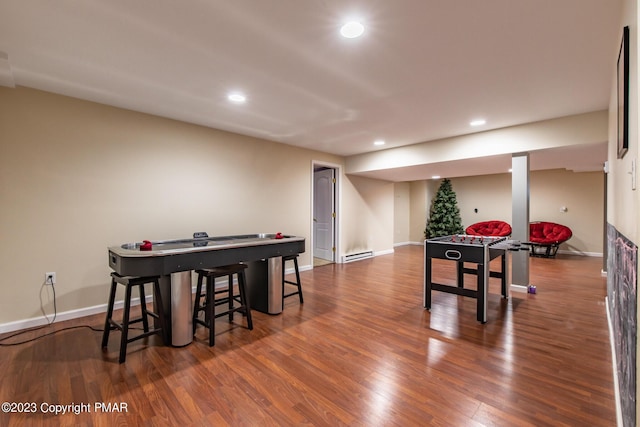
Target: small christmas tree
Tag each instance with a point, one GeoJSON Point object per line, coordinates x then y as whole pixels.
{"type": "Point", "coordinates": [444, 215]}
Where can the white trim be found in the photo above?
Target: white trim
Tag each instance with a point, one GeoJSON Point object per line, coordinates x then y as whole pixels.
{"type": "Point", "coordinates": [65, 315]}
{"type": "Point", "coordinates": [292, 270]}
{"type": "Point", "coordinates": [357, 256]}
{"type": "Point", "coordinates": [395, 245]}
{"type": "Point", "coordinates": [385, 252]}
{"type": "Point", "coordinates": [18, 325]}
{"type": "Point", "coordinates": [338, 206]}
{"type": "Point", "coordinates": [410, 243]}
{"type": "Point", "coordinates": [614, 364]}
{"type": "Point", "coordinates": [595, 254]}
{"type": "Point", "coordinates": [365, 255]}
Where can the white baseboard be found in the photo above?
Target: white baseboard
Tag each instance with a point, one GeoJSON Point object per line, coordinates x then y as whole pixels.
{"type": "Point", "coordinates": [65, 315]}
{"type": "Point", "coordinates": [292, 270]}
{"type": "Point", "coordinates": [614, 364]}
{"type": "Point", "coordinates": [302, 268]}
{"type": "Point", "coordinates": [357, 256]}
{"type": "Point", "coordinates": [410, 243]}
{"type": "Point", "coordinates": [96, 309]}
{"type": "Point", "coordinates": [372, 255]}
{"type": "Point", "coordinates": [395, 245]}
{"type": "Point", "coordinates": [385, 252]}
{"type": "Point", "coordinates": [595, 254]}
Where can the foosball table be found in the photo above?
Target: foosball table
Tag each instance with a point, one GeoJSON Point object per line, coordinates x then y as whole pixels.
{"type": "Point", "coordinates": [463, 248]}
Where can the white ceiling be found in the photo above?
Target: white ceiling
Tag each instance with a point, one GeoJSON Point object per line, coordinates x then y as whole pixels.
{"type": "Point", "coordinates": [422, 70]}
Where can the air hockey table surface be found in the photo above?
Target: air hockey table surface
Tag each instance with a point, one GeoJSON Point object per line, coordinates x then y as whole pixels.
{"type": "Point", "coordinates": [201, 244]}
{"type": "Point", "coordinates": [174, 261]}
{"type": "Point", "coordinates": [170, 256]}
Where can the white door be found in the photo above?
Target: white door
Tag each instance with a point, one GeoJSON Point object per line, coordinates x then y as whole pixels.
{"type": "Point", "coordinates": [323, 213]}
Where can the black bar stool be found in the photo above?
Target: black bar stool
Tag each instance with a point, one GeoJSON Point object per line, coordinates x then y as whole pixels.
{"type": "Point", "coordinates": [285, 282]}
{"type": "Point", "coordinates": [129, 282]}
{"type": "Point", "coordinates": [210, 300]}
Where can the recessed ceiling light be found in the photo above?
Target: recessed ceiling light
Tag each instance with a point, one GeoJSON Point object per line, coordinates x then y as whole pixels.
{"type": "Point", "coordinates": [238, 98]}
{"type": "Point", "coordinates": [352, 30]}
{"type": "Point", "coordinates": [378, 142]}
{"type": "Point", "coordinates": [435, 177]}
{"type": "Point", "coordinates": [478, 122]}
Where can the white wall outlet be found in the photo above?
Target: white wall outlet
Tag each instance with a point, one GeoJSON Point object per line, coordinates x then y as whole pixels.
{"type": "Point", "coordinates": [50, 278]}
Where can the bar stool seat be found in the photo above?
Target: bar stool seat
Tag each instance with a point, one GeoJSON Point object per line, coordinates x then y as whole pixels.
{"type": "Point", "coordinates": [230, 299]}
{"type": "Point", "coordinates": [286, 282]}
{"type": "Point", "coordinates": [130, 282]}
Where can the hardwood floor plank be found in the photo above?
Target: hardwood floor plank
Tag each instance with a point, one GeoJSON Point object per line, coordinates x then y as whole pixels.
{"type": "Point", "coordinates": [360, 351]}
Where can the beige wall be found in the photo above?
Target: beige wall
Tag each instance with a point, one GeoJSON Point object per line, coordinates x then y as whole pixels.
{"type": "Point", "coordinates": [419, 209]}
{"type": "Point", "coordinates": [582, 193]}
{"type": "Point", "coordinates": [490, 194]}
{"type": "Point", "coordinates": [422, 193]}
{"type": "Point", "coordinates": [367, 220]}
{"type": "Point", "coordinates": [402, 213]}
{"type": "Point", "coordinates": [623, 203]}
{"type": "Point", "coordinates": [77, 177]}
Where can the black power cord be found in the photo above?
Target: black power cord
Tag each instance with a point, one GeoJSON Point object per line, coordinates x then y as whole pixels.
{"type": "Point", "coordinates": [3, 344]}
{"type": "Point", "coordinates": [55, 308]}
{"type": "Point", "coordinates": [49, 323]}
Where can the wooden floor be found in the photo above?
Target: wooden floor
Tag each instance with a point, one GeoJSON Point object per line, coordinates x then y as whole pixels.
{"type": "Point", "coordinates": [361, 351]}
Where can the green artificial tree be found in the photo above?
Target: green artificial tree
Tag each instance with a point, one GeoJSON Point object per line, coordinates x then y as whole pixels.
{"type": "Point", "coordinates": [444, 215]}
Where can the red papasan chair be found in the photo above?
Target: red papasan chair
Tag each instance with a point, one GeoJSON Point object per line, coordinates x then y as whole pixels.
{"type": "Point", "coordinates": [489, 228]}
{"type": "Point", "coordinates": [545, 238]}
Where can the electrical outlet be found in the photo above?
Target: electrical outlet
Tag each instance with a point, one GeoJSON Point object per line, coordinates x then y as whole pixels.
{"type": "Point", "coordinates": [50, 278]}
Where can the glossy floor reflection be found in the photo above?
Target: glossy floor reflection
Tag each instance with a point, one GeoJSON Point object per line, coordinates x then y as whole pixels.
{"type": "Point", "coordinates": [360, 351]}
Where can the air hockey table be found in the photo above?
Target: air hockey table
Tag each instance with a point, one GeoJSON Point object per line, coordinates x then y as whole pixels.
{"type": "Point", "coordinates": [470, 249]}
{"type": "Point", "coordinates": [174, 260]}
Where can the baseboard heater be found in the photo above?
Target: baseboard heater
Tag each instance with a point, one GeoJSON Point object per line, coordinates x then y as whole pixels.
{"type": "Point", "coordinates": [357, 256]}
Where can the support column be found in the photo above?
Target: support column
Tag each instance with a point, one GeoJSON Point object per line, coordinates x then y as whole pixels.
{"type": "Point", "coordinates": [520, 220]}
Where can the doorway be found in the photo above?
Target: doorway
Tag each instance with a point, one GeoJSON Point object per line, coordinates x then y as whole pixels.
{"type": "Point", "coordinates": [324, 213]}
